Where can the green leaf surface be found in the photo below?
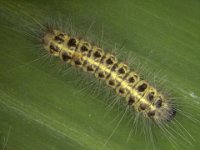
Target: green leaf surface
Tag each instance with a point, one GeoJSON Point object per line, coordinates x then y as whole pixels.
{"type": "Point", "coordinates": [43, 109]}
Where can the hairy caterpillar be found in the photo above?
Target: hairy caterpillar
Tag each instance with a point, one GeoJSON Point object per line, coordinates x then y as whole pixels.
{"type": "Point", "coordinates": [138, 93]}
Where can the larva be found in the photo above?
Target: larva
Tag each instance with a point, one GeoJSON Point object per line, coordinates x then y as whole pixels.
{"type": "Point", "coordinates": [137, 92]}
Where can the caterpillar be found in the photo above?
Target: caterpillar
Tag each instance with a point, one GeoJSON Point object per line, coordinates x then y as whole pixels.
{"type": "Point", "coordinates": [137, 92]}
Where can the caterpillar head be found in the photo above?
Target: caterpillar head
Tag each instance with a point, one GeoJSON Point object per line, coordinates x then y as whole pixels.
{"type": "Point", "coordinates": [164, 110]}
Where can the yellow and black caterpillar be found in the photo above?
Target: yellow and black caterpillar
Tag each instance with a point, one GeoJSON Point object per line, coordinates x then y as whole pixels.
{"type": "Point", "coordinates": [138, 93]}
